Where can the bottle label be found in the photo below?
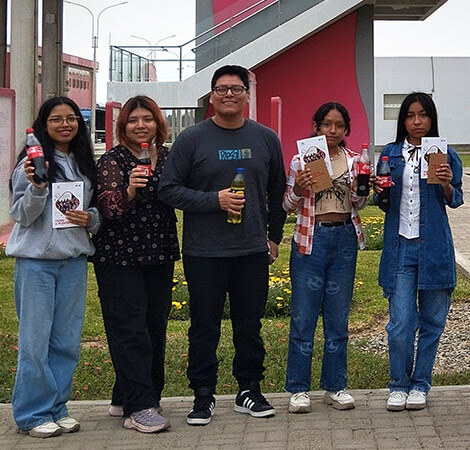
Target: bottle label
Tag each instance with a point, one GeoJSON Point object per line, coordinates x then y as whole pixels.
{"type": "Point", "coordinates": [146, 169]}
{"type": "Point", "coordinates": [34, 151]}
{"type": "Point", "coordinates": [237, 190]}
{"type": "Point", "coordinates": [363, 168]}
{"type": "Point", "coordinates": [385, 181]}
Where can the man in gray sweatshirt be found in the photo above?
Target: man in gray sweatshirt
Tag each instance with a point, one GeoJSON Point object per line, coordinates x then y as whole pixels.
{"type": "Point", "coordinates": [221, 257]}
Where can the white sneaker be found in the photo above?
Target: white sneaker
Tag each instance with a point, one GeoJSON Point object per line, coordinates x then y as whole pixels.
{"type": "Point", "coordinates": [416, 400]}
{"type": "Point", "coordinates": [45, 430]}
{"type": "Point", "coordinates": [397, 401]}
{"type": "Point", "coordinates": [339, 400]}
{"type": "Point", "coordinates": [68, 424]}
{"type": "Point", "coordinates": [115, 410]}
{"type": "Point", "coordinates": [299, 403]}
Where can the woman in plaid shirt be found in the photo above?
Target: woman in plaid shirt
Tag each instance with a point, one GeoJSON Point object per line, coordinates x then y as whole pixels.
{"type": "Point", "coordinates": [323, 263]}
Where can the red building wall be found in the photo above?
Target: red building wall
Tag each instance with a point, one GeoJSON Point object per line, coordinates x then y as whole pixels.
{"type": "Point", "coordinates": [224, 9]}
{"type": "Point", "coordinates": [78, 78]}
{"type": "Point", "coordinates": [318, 70]}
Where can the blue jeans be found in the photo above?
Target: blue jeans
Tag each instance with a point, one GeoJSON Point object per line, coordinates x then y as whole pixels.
{"type": "Point", "coordinates": [321, 283]}
{"type": "Point", "coordinates": [427, 317]}
{"type": "Point", "coordinates": [50, 303]}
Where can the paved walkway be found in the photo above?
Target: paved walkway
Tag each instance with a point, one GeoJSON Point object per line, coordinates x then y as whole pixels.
{"type": "Point", "coordinates": [445, 423]}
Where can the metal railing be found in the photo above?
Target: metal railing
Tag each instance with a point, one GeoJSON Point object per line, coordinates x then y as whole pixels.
{"type": "Point", "coordinates": [128, 65]}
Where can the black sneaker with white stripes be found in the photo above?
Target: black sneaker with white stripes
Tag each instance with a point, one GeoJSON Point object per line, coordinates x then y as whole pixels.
{"type": "Point", "coordinates": [252, 402]}
{"type": "Point", "coordinates": [202, 412]}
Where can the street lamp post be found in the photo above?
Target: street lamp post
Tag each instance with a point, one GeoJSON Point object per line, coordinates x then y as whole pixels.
{"type": "Point", "coordinates": [153, 51]}
{"type": "Point", "coordinates": [94, 44]}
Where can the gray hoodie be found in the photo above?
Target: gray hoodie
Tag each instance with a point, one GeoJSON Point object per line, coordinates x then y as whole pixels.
{"type": "Point", "coordinates": [32, 235]}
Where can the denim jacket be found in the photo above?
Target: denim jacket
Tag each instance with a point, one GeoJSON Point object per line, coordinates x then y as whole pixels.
{"type": "Point", "coordinates": [436, 261]}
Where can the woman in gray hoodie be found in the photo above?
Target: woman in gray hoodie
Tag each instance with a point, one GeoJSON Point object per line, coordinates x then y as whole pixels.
{"type": "Point", "coordinates": [51, 267]}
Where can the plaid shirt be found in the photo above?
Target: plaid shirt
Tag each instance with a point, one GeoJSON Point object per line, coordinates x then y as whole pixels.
{"type": "Point", "coordinates": [305, 205]}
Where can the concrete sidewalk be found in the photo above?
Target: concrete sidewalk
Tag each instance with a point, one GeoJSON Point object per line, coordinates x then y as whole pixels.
{"type": "Point", "coordinates": [460, 224]}
{"type": "Point", "coordinates": [445, 423]}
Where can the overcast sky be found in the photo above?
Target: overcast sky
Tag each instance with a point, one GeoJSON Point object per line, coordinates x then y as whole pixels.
{"type": "Point", "coordinates": [445, 33]}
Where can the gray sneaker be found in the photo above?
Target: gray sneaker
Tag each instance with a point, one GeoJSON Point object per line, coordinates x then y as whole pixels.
{"type": "Point", "coordinates": [146, 421]}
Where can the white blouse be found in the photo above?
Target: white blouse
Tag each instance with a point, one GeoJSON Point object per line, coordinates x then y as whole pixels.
{"type": "Point", "coordinates": [409, 204]}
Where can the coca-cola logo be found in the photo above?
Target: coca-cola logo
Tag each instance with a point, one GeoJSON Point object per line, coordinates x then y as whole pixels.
{"type": "Point", "coordinates": [364, 168]}
{"type": "Point", "coordinates": [146, 169]}
{"type": "Point", "coordinates": [385, 181]}
{"type": "Point", "coordinates": [34, 151]}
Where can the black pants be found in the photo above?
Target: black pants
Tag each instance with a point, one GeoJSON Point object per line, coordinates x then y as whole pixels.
{"type": "Point", "coordinates": [245, 279]}
{"type": "Point", "coordinates": [135, 302]}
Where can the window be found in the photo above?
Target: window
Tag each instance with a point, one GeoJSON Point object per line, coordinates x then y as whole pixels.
{"type": "Point", "coordinates": [392, 103]}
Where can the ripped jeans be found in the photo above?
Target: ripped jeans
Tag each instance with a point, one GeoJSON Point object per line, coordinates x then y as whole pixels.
{"type": "Point", "coordinates": [321, 283]}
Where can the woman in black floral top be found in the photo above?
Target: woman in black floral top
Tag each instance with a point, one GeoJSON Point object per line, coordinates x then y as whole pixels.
{"type": "Point", "coordinates": [136, 248]}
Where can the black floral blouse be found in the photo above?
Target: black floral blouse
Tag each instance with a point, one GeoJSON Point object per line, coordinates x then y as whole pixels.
{"type": "Point", "coordinates": [139, 232]}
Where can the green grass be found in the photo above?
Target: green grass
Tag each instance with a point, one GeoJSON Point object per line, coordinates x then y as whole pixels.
{"type": "Point", "coordinates": [94, 375]}
{"type": "Point", "coordinates": [465, 158]}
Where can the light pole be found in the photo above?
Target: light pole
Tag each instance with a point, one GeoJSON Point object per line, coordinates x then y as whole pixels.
{"type": "Point", "coordinates": [156, 43]}
{"type": "Point", "coordinates": [94, 44]}
{"type": "Point", "coordinates": [152, 52]}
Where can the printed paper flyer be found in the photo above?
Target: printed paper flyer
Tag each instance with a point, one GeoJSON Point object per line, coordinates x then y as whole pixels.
{"type": "Point", "coordinates": [431, 145]}
{"type": "Point", "coordinates": [313, 149]}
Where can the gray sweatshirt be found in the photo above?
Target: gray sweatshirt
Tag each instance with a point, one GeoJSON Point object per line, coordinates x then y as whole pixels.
{"type": "Point", "coordinates": [32, 235]}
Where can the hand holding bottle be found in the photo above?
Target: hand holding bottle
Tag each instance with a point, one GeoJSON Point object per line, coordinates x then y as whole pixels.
{"type": "Point", "coordinates": [29, 172]}
{"type": "Point", "coordinates": [137, 179]}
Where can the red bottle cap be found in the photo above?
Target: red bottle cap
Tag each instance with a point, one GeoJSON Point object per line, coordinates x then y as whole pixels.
{"type": "Point", "coordinates": [144, 145]}
{"type": "Point", "coordinates": [29, 130]}
{"type": "Point", "coordinates": [365, 146]}
{"type": "Point", "coordinates": [384, 158]}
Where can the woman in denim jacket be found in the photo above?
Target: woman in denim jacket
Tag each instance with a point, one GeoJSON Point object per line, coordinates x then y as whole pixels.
{"type": "Point", "coordinates": [417, 268]}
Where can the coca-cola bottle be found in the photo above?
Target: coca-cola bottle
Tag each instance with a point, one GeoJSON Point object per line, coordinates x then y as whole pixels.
{"type": "Point", "coordinates": [145, 165]}
{"type": "Point", "coordinates": [363, 172]}
{"type": "Point", "coordinates": [36, 156]}
{"type": "Point", "coordinates": [385, 179]}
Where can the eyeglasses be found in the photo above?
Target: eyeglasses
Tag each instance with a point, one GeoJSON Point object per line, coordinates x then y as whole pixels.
{"type": "Point", "coordinates": [69, 120]}
{"type": "Point", "coordinates": [328, 125]}
{"type": "Point", "coordinates": [236, 90]}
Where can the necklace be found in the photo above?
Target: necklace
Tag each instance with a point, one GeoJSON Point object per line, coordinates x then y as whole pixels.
{"type": "Point", "coordinates": [337, 156]}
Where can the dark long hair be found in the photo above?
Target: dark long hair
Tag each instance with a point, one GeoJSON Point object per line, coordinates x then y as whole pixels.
{"type": "Point", "coordinates": [80, 145]}
{"type": "Point", "coordinates": [324, 109]}
{"type": "Point", "coordinates": [428, 105]}
{"type": "Point", "coordinates": [141, 101]}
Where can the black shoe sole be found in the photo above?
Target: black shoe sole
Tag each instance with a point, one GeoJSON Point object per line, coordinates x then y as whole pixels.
{"type": "Point", "coordinates": [266, 413]}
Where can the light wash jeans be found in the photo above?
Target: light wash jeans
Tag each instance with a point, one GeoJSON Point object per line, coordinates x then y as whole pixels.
{"type": "Point", "coordinates": [50, 303]}
{"type": "Point", "coordinates": [408, 316]}
{"type": "Point", "coordinates": [321, 282]}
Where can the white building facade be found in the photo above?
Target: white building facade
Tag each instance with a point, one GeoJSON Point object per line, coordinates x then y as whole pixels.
{"type": "Point", "coordinates": [446, 79]}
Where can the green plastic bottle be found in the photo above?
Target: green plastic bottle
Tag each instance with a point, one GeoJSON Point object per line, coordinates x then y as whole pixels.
{"type": "Point", "coordinates": [237, 186]}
